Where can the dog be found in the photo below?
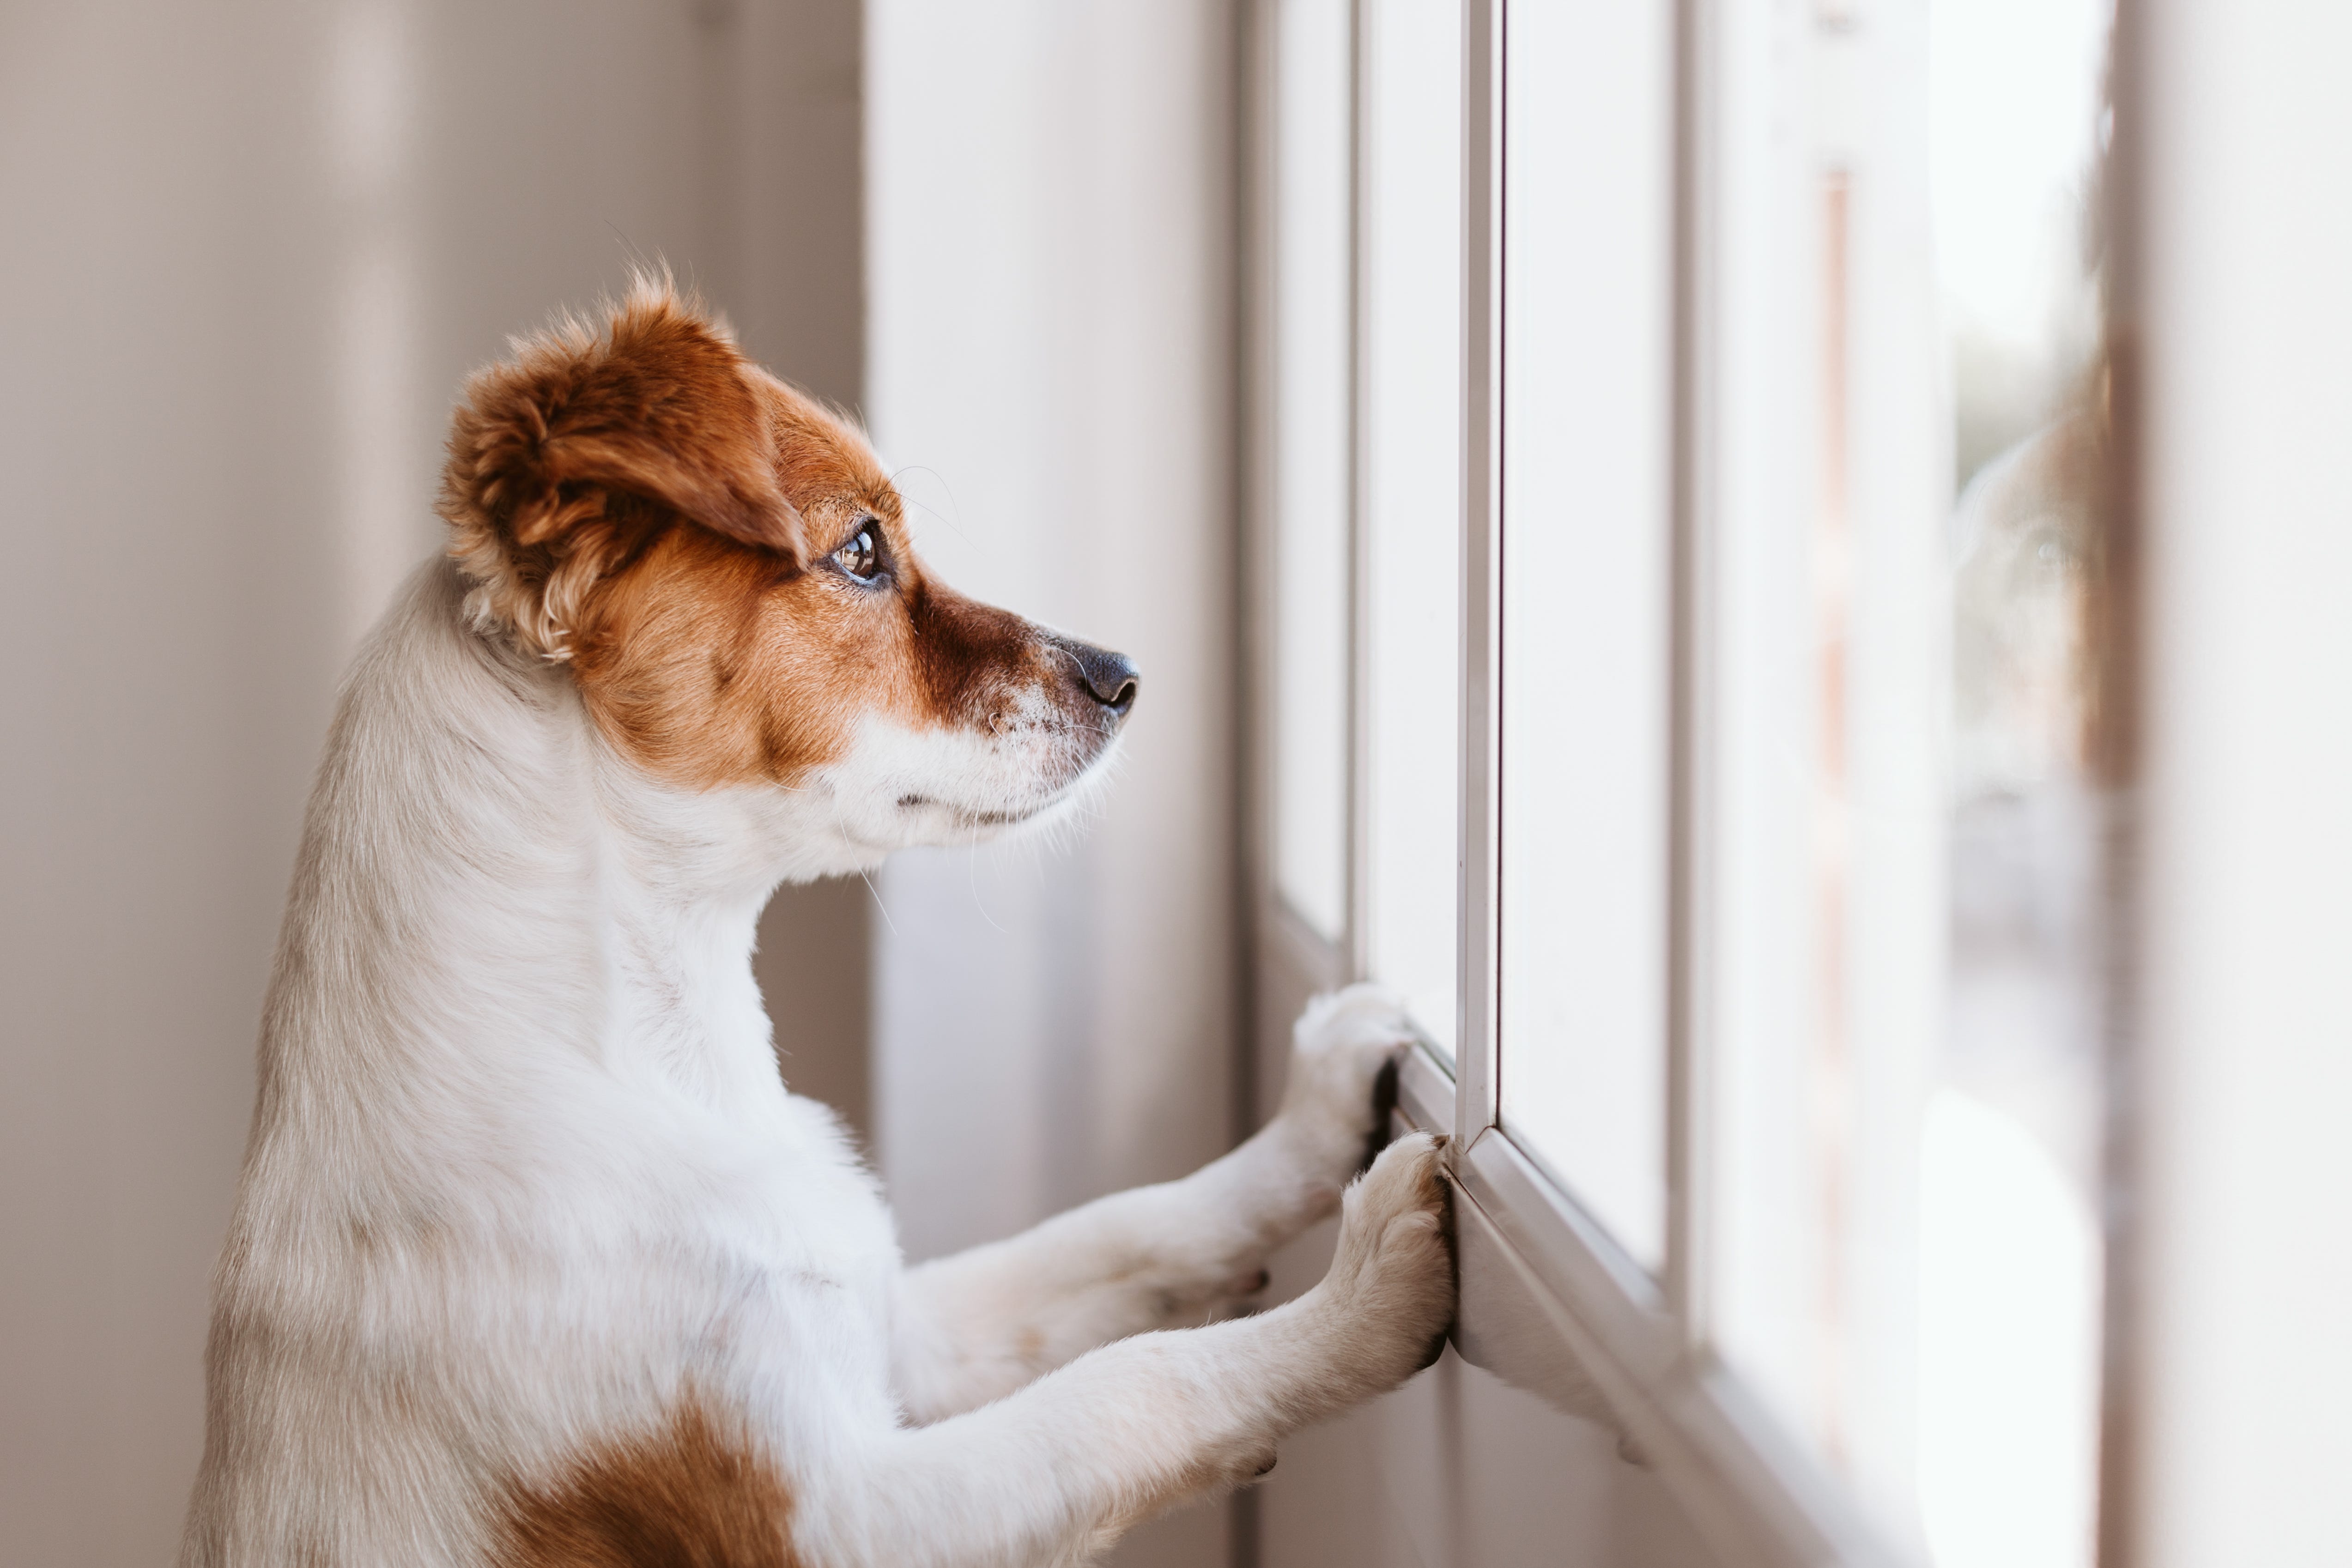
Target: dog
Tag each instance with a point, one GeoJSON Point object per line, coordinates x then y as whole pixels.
{"type": "Point", "coordinates": [535, 1260]}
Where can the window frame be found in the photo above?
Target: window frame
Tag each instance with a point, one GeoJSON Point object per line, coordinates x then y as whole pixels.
{"type": "Point", "coordinates": [1637, 1344]}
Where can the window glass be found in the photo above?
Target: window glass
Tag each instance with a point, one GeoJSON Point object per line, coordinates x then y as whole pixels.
{"type": "Point", "coordinates": [2010, 1156]}
{"type": "Point", "coordinates": [1313, 479]}
{"type": "Point", "coordinates": [1587, 271]}
{"type": "Point", "coordinates": [1904, 824]}
{"type": "Point", "coordinates": [1411, 469]}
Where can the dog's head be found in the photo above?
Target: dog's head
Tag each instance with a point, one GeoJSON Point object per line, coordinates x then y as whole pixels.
{"type": "Point", "coordinates": [727, 571]}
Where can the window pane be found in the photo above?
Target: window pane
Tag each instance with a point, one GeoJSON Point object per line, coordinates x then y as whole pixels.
{"type": "Point", "coordinates": [2009, 1155]}
{"type": "Point", "coordinates": [1412, 492]}
{"type": "Point", "coordinates": [1587, 305]}
{"type": "Point", "coordinates": [1832, 643]}
{"type": "Point", "coordinates": [1904, 820]}
{"type": "Point", "coordinates": [1312, 479]}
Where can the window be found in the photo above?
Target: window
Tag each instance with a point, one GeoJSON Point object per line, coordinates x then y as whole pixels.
{"type": "Point", "coordinates": [1701, 406]}
{"type": "Point", "coordinates": [1410, 459]}
{"type": "Point", "coordinates": [1313, 561]}
{"type": "Point", "coordinates": [1586, 535]}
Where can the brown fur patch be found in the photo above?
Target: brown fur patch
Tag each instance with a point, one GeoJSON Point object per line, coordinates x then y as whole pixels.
{"type": "Point", "coordinates": [660, 407]}
{"type": "Point", "coordinates": [562, 457]}
{"type": "Point", "coordinates": [691, 1494]}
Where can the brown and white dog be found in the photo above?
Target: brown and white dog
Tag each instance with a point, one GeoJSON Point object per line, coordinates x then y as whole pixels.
{"type": "Point", "coordinates": [535, 1260]}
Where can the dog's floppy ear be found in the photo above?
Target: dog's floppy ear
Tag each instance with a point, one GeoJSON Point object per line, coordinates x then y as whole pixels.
{"type": "Point", "coordinates": [563, 453]}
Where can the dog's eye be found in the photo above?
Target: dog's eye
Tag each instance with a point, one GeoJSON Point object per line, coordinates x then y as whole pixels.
{"type": "Point", "coordinates": [861, 558]}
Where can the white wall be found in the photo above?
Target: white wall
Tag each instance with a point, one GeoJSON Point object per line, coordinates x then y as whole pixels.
{"type": "Point", "coordinates": [1052, 377]}
{"type": "Point", "coordinates": [251, 249]}
{"type": "Point", "coordinates": [2243, 1393]}
{"type": "Point", "coordinates": [1051, 190]}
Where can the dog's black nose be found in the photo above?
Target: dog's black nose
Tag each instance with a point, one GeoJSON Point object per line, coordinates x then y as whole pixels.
{"type": "Point", "coordinates": [1109, 678]}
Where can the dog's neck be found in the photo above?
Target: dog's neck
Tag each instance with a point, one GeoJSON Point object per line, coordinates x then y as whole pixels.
{"type": "Point", "coordinates": [509, 895]}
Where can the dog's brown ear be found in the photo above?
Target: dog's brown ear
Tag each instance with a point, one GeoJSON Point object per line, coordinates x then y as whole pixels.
{"type": "Point", "coordinates": [581, 439]}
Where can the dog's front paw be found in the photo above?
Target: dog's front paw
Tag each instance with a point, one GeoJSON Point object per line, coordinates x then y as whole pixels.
{"type": "Point", "coordinates": [1338, 1047]}
{"type": "Point", "coordinates": [1389, 1297]}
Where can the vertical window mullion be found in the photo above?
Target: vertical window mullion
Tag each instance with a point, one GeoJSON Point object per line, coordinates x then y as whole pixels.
{"type": "Point", "coordinates": [1478, 1083]}
{"type": "Point", "coordinates": [1359, 694]}
{"type": "Point", "coordinates": [1690, 1126]}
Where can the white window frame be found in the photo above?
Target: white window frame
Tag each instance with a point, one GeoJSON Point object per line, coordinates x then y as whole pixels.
{"type": "Point", "coordinates": [1550, 1301]}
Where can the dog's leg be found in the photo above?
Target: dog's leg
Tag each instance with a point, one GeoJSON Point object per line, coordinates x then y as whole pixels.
{"type": "Point", "coordinates": [1055, 1471]}
{"type": "Point", "coordinates": [975, 1326]}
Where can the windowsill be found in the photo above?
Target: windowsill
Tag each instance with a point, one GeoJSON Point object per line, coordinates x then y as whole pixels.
{"type": "Point", "coordinates": [1551, 1305]}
